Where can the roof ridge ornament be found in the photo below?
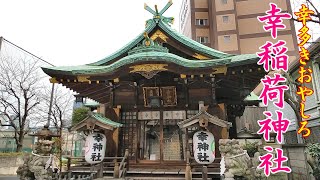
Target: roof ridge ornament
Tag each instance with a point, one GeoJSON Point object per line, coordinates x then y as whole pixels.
{"type": "Point", "coordinates": [147, 41]}
{"type": "Point", "coordinates": [158, 16]}
{"type": "Point", "coordinates": [148, 45]}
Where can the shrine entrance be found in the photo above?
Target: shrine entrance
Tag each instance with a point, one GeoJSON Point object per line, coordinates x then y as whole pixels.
{"type": "Point", "coordinates": [160, 140]}
{"type": "Point", "coordinates": [154, 136]}
{"type": "Point", "coordinates": [159, 137]}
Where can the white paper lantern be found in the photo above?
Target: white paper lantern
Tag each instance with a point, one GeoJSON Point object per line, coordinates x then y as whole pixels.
{"type": "Point", "coordinates": [203, 147]}
{"type": "Point", "coordinates": [95, 148]}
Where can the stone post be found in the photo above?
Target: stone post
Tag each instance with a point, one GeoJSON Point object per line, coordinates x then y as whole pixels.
{"type": "Point", "coordinates": [204, 172]}
{"type": "Point", "coordinates": [116, 169]}
{"type": "Point", "coordinates": [188, 174]}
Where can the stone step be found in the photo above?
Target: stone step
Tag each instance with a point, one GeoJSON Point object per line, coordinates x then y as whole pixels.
{"type": "Point", "coordinates": [150, 178]}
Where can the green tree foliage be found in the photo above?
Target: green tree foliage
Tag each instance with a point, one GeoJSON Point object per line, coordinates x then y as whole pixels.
{"type": "Point", "coordinates": [79, 114]}
{"type": "Point", "coordinates": [314, 151]}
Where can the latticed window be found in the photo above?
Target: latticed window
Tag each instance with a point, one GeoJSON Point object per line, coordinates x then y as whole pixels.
{"type": "Point", "coordinates": [191, 130]}
{"type": "Point", "coordinates": [128, 136]}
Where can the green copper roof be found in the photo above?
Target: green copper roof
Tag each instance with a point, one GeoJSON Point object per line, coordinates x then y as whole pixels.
{"type": "Point", "coordinates": [158, 56]}
{"type": "Point", "coordinates": [134, 52]}
{"type": "Point", "coordinates": [194, 45]}
{"type": "Point", "coordinates": [252, 97]}
{"type": "Point", "coordinates": [105, 120]}
{"type": "Point", "coordinates": [92, 104]}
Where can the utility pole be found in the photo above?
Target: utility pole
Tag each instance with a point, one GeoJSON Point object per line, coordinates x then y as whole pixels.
{"type": "Point", "coordinates": [50, 105]}
{"type": "Point", "coordinates": [1, 38]}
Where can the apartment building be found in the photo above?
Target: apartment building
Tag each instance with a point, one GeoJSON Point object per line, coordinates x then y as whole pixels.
{"type": "Point", "coordinates": [231, 25]}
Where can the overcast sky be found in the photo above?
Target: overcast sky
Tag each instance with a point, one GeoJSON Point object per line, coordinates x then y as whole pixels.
{"type": "Point", "coordinates": [75, 32]}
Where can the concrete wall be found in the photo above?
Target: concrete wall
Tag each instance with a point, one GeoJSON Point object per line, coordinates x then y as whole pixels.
{"type": "Point", "coordinates": [226, 26]}
{"type": "Point", "coordinates": [201, 4]}
{"type": "Point", "coordinates": [9, 165]}
{"type": "Point", "coordinates": [297, 161]}
{"type": "Point", "coordinates": [247, 43]}
{"type": "Point", "coordinates": [201, 15]}
{"type": "Point", "coordinates": [228, 46]}
{"type": "Point", "coordinates": [224, 7]}
{"type": "Point", "coordinates": [8, 143]}
{"type": "Point", "coordinates": [256, 7]}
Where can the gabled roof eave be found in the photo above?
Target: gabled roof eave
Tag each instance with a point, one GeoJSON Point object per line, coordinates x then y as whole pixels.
{"type": "Point", "coordinates": [212, 119]}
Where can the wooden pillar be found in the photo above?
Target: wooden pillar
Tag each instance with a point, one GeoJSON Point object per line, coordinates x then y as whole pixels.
{"type": "Point", "coordinates": [213, 91]}
{"type": "Point", "coordinates": [225, 133]}
{"type": "Point", "coordinates": [233, 111]}
{"type": "Point", "coordinates": [186, 91]}
{"type": "Point", "coordinates": [111, 97]}
{"type": "Point", "coordinates": [187, 142]}
{"type": "Point", "coordinates": [136, 95]}
{"type": "Point", "coordinates": [161, 136]}
{"type": "Point", "coordinates": [138, 136]}
{"type": "Point", "coordinates": [181, 144]}
{"type": "Point", "coordinates": [115, 138]}
{"type": "Point", "coordinates": [115, 135]}
{"type": "Point", "coordinates": [233, 129]}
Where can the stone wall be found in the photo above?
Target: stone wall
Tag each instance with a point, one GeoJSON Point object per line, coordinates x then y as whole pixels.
{"type": "Point", "coordinates": [297, 161]}
{"type": "Point", "coordinates": [9, 165]}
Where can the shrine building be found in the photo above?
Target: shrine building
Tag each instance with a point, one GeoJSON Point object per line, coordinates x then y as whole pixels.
{"type": "Point", "coordinates": [155, 90]}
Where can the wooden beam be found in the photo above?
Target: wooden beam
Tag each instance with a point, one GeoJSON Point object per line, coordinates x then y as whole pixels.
{"type": "Point", "coordinates": [84, 88]}
{"type": "Point", "coordinates": [94, 92]}
{"type": "Point", "coordinates": [103, 94]}
{"type": "Point", "coordinates": [102, 99]}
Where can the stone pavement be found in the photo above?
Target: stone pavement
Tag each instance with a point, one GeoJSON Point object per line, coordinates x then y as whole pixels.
{"type": "Point", "coordinates": [4, 177]}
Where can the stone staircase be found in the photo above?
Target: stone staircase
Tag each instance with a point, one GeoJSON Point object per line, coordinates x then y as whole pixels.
{"type": "Point", "coordinates": [174, 171]}
{"type": "Point", "coordinates": [144, 172]}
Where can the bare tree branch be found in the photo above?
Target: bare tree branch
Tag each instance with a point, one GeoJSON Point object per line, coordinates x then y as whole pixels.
{"type": "Point", "coordinates": [19, 86]}
{"type": "Point", "coordinates": [311, 20]}
{"type": "Point", "coordinates": [314, 7]}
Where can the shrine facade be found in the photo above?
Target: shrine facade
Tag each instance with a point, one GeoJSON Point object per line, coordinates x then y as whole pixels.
{"type": "Point", "coordinates": [158, 87]}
